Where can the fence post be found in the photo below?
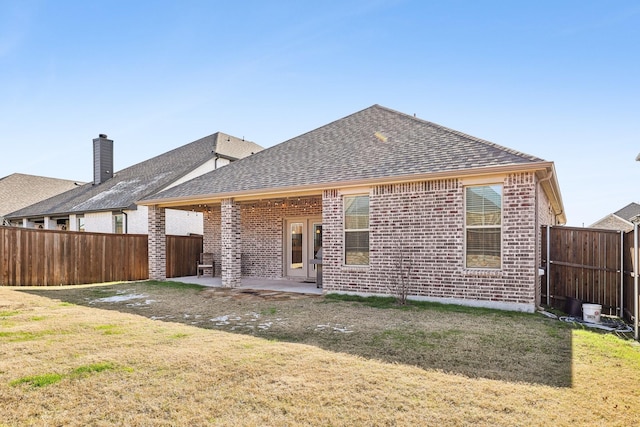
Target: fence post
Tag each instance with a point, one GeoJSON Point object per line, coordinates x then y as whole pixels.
{"type": "Point", "coordinates": [621, 312]}
{"type": "Point", "coordinates": [635, 278]}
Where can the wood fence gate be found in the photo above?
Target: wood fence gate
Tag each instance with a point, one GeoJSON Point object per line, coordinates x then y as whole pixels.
{"type": "Point", "coordinates": [592, 265]}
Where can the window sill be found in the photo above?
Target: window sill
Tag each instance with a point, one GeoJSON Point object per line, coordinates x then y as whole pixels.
{"type": "Point", "coordinates": [344, 267]}
{"type": "Point", "coordinates": [482, 272]}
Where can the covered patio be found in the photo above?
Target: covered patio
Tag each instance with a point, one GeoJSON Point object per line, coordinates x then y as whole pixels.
{"type": "Point", "coordinates": [280, 285]}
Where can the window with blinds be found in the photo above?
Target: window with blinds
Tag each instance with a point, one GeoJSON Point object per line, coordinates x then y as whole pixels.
{"type": "Point", "coordinates": [356, 230]}
{"type": "Point", "coordinates": [483, 226]}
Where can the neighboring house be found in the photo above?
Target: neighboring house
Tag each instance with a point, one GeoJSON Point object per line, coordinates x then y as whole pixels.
{"type": "Point", "coordinates": [108, 204]}
{"type": "Point", "coordinates": [619, 220]}
{"type": "Point", "coordinates": [20, 190]}
{"type": "Point", "coordinates": [390, 198]}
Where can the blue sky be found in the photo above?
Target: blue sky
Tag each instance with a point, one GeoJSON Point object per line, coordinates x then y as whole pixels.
{"type": "Point", "coordinates": [556, 79]}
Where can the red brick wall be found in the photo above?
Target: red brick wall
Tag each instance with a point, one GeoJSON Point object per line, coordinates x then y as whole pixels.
{"type": "Point", "coordinates": [420, 222]}
{"type": "Point", "coordinates": [211, 241]}
{"type": "Point", "coordinates": [262, 232]}
{"type": "Point", "coordinates": [423, 222]}
{"type": "Point", "coordinates": [157, 243]}
{"type": "Point", "coordinates": [231, 242]}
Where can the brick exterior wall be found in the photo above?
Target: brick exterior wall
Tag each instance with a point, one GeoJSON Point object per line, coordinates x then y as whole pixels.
{"type": "Point", "coordinates": [157, 244]}
{"type": "Point", "coordinates": [262, 233]}
{"type": "Point", "coordinates": [231, 243]}
{"type": "Point", "coordinates": [423, 222]}
{"type": "Point", "coordinates": [212, 239]}
{"type": "Point", "coordinates": [419, 223]}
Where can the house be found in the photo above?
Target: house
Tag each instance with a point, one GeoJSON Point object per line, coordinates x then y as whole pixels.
{"type": "Point", "coordinates": [388, 197]}
{"type": "Point", "coordinates": [619, 220]}
{"type": "Point", "coordinates": [20, 190]}
{"type": "Point", "coordinates": [108, 204]}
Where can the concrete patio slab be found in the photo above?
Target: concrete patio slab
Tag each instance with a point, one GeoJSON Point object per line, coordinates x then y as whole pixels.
{"type": "Point", "coordinates": [282, 285]}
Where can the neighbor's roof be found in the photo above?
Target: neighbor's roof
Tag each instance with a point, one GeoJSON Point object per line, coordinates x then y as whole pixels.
{"type": "Point", "coordinates": [140, 180]}
{"type": "Point", "coordinates": [372, 144]}
{"type": "Point", "coordinates": [628, 212]}
{"type": "Point", "coordinates": [19, 190]}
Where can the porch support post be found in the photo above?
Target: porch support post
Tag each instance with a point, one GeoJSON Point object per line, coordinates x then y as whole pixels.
{"type": "Point", "coordinates": [231, 244]}
{"type": "Point", "coordinates": [157, 244]}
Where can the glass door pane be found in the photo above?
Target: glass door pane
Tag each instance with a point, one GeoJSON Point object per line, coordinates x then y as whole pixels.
{"type": "Point", "coordinates": [296, 236]}
{"type": "Point", "coordinates": [317, 238]}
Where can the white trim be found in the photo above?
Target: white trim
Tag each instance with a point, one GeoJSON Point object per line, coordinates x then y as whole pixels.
{"type": "Point", "coordinates": [344, 229]}
{"type": "Point", "coordinates": [476, 227]}
{"type": "Point", "coordinates": [475, 181]}
{"type": "Point", "coordinates": [355, 191]}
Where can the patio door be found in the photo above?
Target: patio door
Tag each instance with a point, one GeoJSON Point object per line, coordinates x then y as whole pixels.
{"type": "Point", "coordinates": [303, 239]}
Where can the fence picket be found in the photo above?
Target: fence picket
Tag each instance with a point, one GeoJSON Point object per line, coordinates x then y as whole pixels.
{"type": "Point", "coordinates": [31, 257]}
{"type": "Point", "coordinates": [588, 264]}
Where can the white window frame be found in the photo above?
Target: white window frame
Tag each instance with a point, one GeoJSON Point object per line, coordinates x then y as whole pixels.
{"type": "Point", "coordinates": [114, 222]}
{"type": "Point", "coordinates": [484, 227]}
{"type": "Point", "coordinates": [345, 230]}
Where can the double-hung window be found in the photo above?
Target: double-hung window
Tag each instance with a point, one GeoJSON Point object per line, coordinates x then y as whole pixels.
{"type": "Point", "coordinates": [356, 230]}
{"type": "Point", "coordinates": [483, 226]}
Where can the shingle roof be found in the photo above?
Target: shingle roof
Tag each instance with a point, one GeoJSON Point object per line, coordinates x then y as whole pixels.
{"type": "Point", "coordinates": [629, 211]}
{"type": "Point", "coordinates": [376, 142]}
{"type": "Point", "coordinates": [140, 180]}
{"type": "Point", "coordinates": [19, 190]}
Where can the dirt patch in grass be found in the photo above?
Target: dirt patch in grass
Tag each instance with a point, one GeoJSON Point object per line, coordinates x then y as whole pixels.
{"type": "Point", "coordinates": [476, 343]}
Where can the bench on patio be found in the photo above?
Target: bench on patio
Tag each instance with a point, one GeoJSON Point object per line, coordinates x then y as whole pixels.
{"type": "Point", "coordinates": [206, 263]}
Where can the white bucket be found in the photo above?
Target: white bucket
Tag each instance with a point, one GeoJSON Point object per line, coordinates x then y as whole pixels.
{"type": "Point", "coordinates": [591, 313]}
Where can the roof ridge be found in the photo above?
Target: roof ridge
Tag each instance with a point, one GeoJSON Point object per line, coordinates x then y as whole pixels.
{"type": "Point", "coordinates": [181, 147]}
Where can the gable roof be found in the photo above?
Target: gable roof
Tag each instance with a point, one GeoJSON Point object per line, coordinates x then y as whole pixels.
{"type": "Point", "coordinates": [19, 190]}
{"type": "Point", "coordinates": [620, 219]}
{"type": "Point", "coordinates": [373, 144]}
{"type": "Point", "coordinates": [140, 180]}
{"type": "Point", "coordinates": [628, 212]}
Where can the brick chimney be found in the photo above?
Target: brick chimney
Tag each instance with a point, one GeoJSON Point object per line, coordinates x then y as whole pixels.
{"type": "Point", "coordinates": [102, 159]}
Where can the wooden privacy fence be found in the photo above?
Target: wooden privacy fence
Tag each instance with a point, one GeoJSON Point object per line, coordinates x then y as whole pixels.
{"type": "Point", "coordinates": [182, 255]}
{"type": "Point", "coordinates": [591, 265]}
{"type": "Point", "coordinates": [31, 257]}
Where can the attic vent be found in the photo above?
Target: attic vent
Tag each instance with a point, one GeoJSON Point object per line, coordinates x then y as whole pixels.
{"type": "Point", "coordinates": [381, 137]}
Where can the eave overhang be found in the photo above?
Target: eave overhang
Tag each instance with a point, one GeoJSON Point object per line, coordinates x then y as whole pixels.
{"type": "Point", "coordinates": [542, 170]}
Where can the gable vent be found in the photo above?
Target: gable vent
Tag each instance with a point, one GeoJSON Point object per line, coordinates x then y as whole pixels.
{"type": "Point", "coordinates": [381, 137]}
{"type": "Point", "coordinates": [102, 159]}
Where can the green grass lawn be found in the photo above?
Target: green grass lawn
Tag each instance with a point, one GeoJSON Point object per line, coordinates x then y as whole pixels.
{"type": "Point", "coordinates": [328, 361]}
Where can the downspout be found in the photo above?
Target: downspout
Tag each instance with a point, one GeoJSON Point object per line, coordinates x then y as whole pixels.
{"type": "Point", "coordinates": [621, 312]}
{"type": "Point", "coordinates": [548, 266]}
{"type": "Point", "coordinates": [547, 272]}
{"type": "Point", "coordinates": [547, 178]}
{"type": "Point", "coordinates": [126, 221]}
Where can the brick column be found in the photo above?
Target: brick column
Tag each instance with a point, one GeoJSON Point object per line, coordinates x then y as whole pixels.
{"type": "Point", "coordinates": [157, 244]}
{"type": "Point", "coordinates": [231, 243]}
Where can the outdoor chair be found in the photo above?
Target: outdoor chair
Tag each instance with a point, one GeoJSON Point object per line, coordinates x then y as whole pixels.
{"type": "Point", "coordinates": [206, 263]}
